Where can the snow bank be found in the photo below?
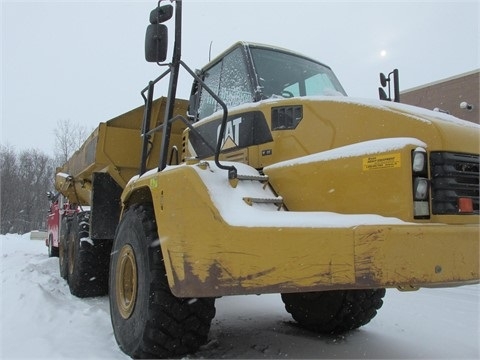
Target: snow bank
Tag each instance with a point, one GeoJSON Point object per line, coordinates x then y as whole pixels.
{"type": "Point", "coordinates": [40, 318]}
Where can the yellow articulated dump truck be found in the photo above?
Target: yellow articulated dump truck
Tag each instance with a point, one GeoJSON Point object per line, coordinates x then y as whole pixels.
{"type": "Point", "coordinates": [269, 179]}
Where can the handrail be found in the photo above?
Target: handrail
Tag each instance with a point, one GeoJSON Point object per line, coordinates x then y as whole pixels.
{"type": "Point", "coordinates": [166, 126]}
{"type": "Point", "coordinates": [232, 171]}
{"type": "Point", "coordinates": [187, 123]}
{"type": "Point", "coordinates": [147, 114]}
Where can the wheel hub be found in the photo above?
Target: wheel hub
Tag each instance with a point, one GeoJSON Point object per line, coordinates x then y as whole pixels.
{"type": "Point", "coordinates": [126, 281]}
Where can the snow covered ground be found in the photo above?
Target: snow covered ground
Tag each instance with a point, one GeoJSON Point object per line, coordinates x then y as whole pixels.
{"type": "Point", "coordinates": [40, 319]}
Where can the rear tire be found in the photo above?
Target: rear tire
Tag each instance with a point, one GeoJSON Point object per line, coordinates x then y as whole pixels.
{"type": "Point", "coordinates": [148, 320]}
{"type": "Point", "coordinates": [63, 248]}
{"type": "Point", "coordinates": [87, 260]}
{"type": "Point", "coordinates": [334, 312]}
{"type": "Point", "coordinates": [52, 250]}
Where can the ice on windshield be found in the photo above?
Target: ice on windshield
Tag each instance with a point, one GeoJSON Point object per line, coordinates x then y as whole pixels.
{"type": "Point", "coordinates": [229, 79]}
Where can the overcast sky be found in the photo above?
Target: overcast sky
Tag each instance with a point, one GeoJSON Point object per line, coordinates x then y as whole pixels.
{"type": "Point", "coordinates": [84, 60]}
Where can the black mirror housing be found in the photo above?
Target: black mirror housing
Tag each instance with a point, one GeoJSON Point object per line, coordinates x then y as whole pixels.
{"type": "Point", "coordinates": [383, 79]}
{"type": "Point", "coordinates": [156, 43]}
{"type": "Point", "coordinates": [382, 95]}
{"type": "Point", "coordinates": [161, 14]}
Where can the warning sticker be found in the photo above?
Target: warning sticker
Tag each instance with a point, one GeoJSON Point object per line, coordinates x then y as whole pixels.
{"type": "Point", "coordinates": [379, 162]}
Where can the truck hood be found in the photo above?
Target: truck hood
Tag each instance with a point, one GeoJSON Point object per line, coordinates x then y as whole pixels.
{"type": "Point", "coordinates": [389, 119]}
{"type": "Point", "coordinates": [450, 128]}
{"type": "Point", "coordinates": [331, 122]}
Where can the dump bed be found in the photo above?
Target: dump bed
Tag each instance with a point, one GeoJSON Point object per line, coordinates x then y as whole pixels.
{"type": "Point", "coordinates": [115, 148]}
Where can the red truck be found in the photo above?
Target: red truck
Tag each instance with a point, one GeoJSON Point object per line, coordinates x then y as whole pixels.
{"type": "Point", "coordinates": [57, 224]}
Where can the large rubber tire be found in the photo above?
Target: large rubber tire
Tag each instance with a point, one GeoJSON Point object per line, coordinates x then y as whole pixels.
{"type": "Point", "coordinates": [334, 312]}
{"type": "Point", "coordinates": [63, 248]}
{"type": "Point", "coordinates": [148, 320]}
{"type": "Point", "coordinates": [52, 250]}
{"type": "Point", "coordinates": [87, 260]}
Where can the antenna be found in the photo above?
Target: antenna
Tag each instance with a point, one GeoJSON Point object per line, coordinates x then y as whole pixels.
{"type": "Point", "coordinates": [210, 51]}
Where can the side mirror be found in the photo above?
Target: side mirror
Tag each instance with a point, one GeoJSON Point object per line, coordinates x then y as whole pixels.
{"type": "Point", "coordinates": [382, 95]}
{"type": "Point", "coordinates": [156, 43]}
{"type": "Point", "coordinates": [156, 38]}
{"type": "Point", "coordinates": [161, 14]}
{"type": "Point", "coordinates": [383, 80]}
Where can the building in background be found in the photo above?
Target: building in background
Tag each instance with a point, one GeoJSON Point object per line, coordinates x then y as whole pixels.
{"type": "Point", "coordinates": [457, 95]}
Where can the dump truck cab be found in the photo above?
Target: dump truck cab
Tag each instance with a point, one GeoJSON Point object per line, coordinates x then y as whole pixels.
{"type": "Point", "coordinates": [248, 72]}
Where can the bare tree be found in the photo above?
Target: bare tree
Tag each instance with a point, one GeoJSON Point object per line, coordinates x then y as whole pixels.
{"type": "Point", "coordinates": [9, 190]}
{"type": "Point", "coordinates": [35, 177]}
{"type": "Point", "coordinates": [69, 136]}
{"type": "Point", "coordinates": [25, 180]}
{"type": "Point", "coordinates": [26, 177]}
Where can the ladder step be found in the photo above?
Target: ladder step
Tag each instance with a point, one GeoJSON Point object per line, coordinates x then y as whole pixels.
{"type": "Point", "coordinates": [252, 177]}
{"type": "Point", "coordinates": [277, 201]}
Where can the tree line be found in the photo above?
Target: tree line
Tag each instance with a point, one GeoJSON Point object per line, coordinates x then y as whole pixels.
{"type": "Point", "coordinates": [27, 175]}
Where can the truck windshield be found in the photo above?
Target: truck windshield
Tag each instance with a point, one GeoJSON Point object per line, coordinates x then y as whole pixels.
{"type": "Point", "coordinates": [282, 74]}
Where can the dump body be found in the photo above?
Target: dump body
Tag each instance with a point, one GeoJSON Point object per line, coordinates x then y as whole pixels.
{"type": "Point", "coordinates": [97, 173]}
{"type": "Point", "coordinates": [114, 148]}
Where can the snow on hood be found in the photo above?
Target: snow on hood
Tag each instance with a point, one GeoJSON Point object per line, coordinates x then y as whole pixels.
{"type": "Point", "coordinates": [418, 113]}
{"type": "Point", "coordinates": [235, 211]}
{"type": "Point", "coordinates": [363, 148]}
{"type": "Point", "coordinates": [413, 111]}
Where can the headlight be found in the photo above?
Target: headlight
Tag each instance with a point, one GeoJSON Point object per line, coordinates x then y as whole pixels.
{"type": "Point", "coordinates": [419, 161]}
{"type": "Point", "coordinates": [421, 189]}
{"type": "Point", "coordinates": [420, 184]}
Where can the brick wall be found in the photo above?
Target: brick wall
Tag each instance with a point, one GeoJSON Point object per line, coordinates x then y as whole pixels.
{"type": "Point", "coordinates": [447, 95]}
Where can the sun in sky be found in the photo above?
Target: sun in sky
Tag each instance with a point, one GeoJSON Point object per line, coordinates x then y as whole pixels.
{"type": "Point", "coordinates": [383, 53]}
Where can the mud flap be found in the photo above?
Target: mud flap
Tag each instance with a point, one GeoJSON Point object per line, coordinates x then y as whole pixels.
{"type": "Point", "coordinates": [106, 212]}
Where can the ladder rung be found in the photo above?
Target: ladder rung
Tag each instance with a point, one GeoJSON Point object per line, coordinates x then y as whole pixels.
{"type": "Point", "coordinates": [277, 201]}
{"type": "Point", "coordinates": [252, 177]}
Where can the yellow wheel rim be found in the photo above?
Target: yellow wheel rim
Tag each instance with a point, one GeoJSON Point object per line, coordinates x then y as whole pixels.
{"type": "Point", "coordinates": [126, 281]}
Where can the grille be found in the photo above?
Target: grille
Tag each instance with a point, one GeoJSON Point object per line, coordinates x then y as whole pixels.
{"type": "Point", "coordinates": [454, 176]}
{"type": "Point", "coordinates": [286, 117]}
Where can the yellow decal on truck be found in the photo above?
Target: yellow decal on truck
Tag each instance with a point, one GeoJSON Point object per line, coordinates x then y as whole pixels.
{"type": "Point", "coordinates": [153, 183]}
{"type": "Point", "coordinates": [379, 162]}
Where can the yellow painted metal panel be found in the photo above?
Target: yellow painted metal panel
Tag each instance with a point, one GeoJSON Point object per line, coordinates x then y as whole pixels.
{"type": "Point", "coordinates": [377, 183]}
{"type": "Point", "coordinates": [206, 256]}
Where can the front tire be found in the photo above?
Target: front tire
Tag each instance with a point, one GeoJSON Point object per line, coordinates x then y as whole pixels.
{"type": "Point", "coordinates": [334, 312]}
{"type": "Point", "coordinates": [148, 320]}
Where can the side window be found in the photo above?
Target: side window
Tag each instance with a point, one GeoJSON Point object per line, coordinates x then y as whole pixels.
{"type": "Point", "coordinates": [235, 86]}
{"type": "Point", "coordinates": [229, 79]}
{"type": "Point", "coordinates": [207, 104]}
